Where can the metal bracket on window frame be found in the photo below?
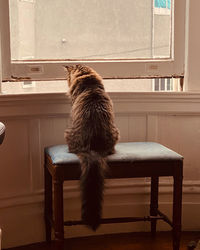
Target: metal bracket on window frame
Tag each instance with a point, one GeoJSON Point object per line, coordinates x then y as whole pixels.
{"type": "Point", "coordinates": [27, 82]}
{"type": "Point", "coordinates": [19, 79]}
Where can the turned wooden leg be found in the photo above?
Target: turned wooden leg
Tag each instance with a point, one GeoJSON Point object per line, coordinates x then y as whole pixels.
{"type": "Point", "coordinates": [58, 214]}
{"type": "Point", "coordinates": [48, 202]}
{"type": "Point", "coordinates": [154, 203]}
{"type": "Point", "coordinates": [177, 208]}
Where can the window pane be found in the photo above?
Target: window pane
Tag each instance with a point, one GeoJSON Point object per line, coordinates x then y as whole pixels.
{"type": "Point", "coordinates": [116, 85]}
{"type": "Point", "coordinates": [88, 29]}
{"type": "Point", "coordinates": [169, 83]}
{"type": "Point", "coordinates": [162, 84]}
{"type": "Point", "coordinates": [156, 88]}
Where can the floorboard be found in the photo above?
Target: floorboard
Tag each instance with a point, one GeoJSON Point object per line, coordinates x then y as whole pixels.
{"type": "Point", "coordinates": [128, 241]}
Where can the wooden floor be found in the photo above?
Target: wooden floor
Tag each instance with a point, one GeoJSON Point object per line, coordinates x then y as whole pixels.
{"type": "Point", "coordinates": [129, 241]}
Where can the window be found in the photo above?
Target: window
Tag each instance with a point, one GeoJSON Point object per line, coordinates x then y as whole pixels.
{"type": "Point", "coordinates": [162, 27]}
{"type": "Point", "coordinates": [166, 84]}
{"type": "Point", "coordinates": [119, 38]}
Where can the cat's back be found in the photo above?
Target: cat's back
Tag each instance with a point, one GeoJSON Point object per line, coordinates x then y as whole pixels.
{"type": "Point", "coordinates": [91, 92]}
{"type": "Point", "coordinates": [92, 114]}
{"type": "Point", "coordinates": [93, 108]}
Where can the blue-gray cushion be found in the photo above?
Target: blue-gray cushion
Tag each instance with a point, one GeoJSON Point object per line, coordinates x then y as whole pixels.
{"type": "Point", "coordinates": [125, 152]}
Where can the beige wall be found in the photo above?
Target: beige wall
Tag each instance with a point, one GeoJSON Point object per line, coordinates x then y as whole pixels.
{"type": "Point", "coordinates": [35, 121]}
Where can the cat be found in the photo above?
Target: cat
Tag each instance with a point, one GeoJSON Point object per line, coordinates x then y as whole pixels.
{"type": "Point", "coordinates": [92, 136]}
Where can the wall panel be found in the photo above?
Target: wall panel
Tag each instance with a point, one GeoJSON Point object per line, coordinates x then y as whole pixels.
{"type": "Point", "coordinates": [35, 121]}
{"type": "Point", "coordinates": [15, 172]}
{"type": "Point", "coordinates": [182, 133]}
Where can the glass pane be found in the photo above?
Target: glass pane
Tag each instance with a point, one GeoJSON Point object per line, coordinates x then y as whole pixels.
{"type": "Point", "coordinates": [156, 88]}
{"type": "Point", "coordinates": [116, 85]}
{"type": "Point", "coordinates": [162, 87]}
{"type": "Point", "coordinates": [88, 29]}
{"type": "Point", "coordinates": [169, 87]}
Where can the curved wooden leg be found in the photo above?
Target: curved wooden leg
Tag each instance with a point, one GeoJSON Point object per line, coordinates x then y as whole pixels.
{"type": "Point", "coordinates": [58, 214]}
{"type": "Point", "coordinates": [48, 202]}
{"type": "Point", "coordinates": [177, 208]}
{"type": "Point", "coordinates": [154, 203]}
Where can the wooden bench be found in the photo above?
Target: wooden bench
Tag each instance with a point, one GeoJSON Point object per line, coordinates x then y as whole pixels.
{"type": "Point", "coordinates": [131, 160]}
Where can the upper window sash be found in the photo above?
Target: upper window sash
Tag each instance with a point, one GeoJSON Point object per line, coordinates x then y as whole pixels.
{"type": "Point", "coordinates": [52, 69]}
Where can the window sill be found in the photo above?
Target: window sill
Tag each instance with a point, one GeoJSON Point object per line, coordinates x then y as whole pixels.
{"type": "Point", "coordinates": [124, 98]}
{"type": "Point", "coordinates": [45, 102]}
{"type": "Point", "coordinates": [116, 86]}
{"type": "Point", "coordinates": [40, 87]}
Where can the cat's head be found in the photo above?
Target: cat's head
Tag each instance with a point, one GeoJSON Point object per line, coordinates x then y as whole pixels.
{"type": "Point", "coordinates": [73, 71]}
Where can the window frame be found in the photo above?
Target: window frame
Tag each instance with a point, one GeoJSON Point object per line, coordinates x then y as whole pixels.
{"type": "Point", "coordinates": [109, 69]}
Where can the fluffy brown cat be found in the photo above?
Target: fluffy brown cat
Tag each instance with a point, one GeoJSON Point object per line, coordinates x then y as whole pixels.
{"type": "Point", "coordinates": [92, 136]}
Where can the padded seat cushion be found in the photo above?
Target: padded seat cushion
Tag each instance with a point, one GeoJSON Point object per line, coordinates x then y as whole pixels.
{"type": "Point", "coordinates": [128, 152]}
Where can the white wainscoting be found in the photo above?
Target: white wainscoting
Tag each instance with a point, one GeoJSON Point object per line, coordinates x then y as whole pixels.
{"type": "Point", "coordinates": [35, 121]}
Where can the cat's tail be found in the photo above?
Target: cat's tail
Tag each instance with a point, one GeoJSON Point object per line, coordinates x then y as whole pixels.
{"type": "Point", "coordinates": [92, 185]}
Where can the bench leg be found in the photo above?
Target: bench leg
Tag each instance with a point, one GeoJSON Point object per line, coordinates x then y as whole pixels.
{"type": "Point", "coordinates": [177, 210]}
{"type": "Point", "coordinates": [58, 214]}
{"type": "Point", "coordinates": [48, 202]}
{"type": "Point", "coordinates": [154, 203]}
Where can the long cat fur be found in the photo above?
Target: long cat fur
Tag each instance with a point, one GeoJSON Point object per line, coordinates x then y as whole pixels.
{"type": "Point", "coordinates": [92, 136]}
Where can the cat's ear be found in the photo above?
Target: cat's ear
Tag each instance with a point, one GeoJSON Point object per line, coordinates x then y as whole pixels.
{"type": "Point", "coordinates": [79, 66]}
{"type": "Point", "coordinates": [67, 68]}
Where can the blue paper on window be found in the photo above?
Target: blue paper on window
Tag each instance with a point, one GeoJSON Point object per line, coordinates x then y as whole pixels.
{"type": "Point", "coordinates": [169, 4]}
{"type": "Point", "coordinates": [161, 3]}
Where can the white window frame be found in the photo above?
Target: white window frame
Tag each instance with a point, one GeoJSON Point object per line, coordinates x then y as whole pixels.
{"type": "Point", "coordinates": [109, 69]}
